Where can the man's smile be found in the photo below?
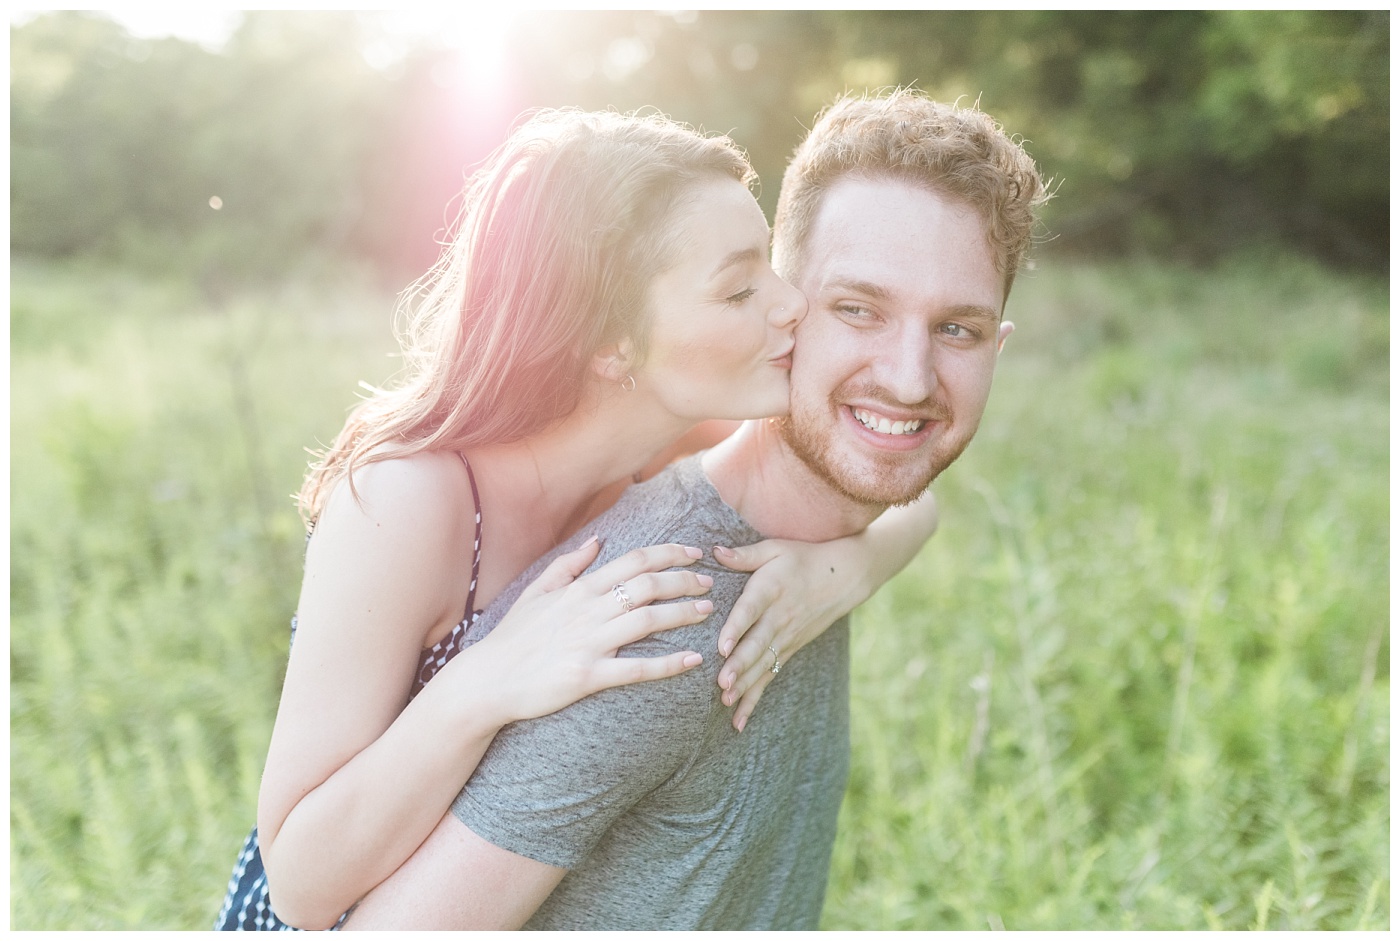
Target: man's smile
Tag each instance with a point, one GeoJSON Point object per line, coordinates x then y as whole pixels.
{"type": "Point", "coordinates": [889, 432]}
{"type": "Point", "coordinates": [885, 426]}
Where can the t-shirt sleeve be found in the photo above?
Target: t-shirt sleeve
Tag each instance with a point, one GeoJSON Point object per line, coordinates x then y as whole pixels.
{"type": "Point", "coordinates": [549, 788]}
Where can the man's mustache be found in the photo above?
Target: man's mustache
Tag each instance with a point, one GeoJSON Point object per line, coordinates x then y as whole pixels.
{"type": "Point", "coordinates": [934, 408]}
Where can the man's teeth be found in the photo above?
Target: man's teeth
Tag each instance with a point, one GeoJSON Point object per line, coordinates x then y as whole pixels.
{"type": "Point", "coordinates": [885, 426]}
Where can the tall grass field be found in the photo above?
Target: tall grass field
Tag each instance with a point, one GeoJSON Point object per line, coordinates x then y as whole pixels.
{"type": "Point", "coordinates": [1139, 679]}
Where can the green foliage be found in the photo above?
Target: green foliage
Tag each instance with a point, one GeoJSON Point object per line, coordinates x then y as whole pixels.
{"type": "Point", "coordinates": [154, 552]}
{"type": "Point", "coordinates": [118, 145]}
{"type": "Point", "coordinates": [1139, 680]}
{"type": "Point", "coordinates": [1189, 134]}
{"type": "Point", "coordinates": [1186, 134]}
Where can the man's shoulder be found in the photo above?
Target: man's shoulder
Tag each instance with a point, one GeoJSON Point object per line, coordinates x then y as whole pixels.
{"type": "Point", "coordinates": [678, 505]}
{"type": "Point", "coordinates": [677, 502]}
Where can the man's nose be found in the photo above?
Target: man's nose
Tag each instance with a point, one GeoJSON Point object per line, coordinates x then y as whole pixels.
{"type": "Point", "coordinates": [906, 369]}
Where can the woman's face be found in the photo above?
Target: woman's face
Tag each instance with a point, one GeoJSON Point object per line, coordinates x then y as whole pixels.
{"type": "Point", "coordinates": [721, 321]}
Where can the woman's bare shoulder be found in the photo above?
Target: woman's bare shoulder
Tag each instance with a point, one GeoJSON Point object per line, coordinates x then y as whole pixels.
{"type": "Point", "coordinates": [426, 494]}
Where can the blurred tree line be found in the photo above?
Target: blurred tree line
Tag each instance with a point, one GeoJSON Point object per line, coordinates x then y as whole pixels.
{"type": "Point", "coordinates": [1185, 134]}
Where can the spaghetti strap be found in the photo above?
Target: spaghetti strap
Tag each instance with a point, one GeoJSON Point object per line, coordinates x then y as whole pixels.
{"type": "Point", "coordinates": [476, 546]}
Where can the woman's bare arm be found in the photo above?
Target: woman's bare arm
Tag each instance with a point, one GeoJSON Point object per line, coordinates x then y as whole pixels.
{"type": "Point", "coordinates": [357, 776]}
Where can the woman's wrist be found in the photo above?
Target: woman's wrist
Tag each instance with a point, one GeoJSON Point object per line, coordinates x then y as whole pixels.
{"type": "Point", "coordinates": [869, 572]}
{"type": "Point", "coordinates": [468, 697]}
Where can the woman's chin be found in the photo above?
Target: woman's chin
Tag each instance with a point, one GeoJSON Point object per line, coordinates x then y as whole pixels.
{"type": "Point", "coordinates": [766, 400]}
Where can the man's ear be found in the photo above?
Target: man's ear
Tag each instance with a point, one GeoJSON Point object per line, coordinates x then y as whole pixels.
{"type": "Point", "coordinates": [1002, 333]}
{"type": "Point", "coordinates": [611, 363]}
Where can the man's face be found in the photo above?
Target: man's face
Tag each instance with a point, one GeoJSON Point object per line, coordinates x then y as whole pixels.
{"type": "Point", "coordinates": [894, 361]}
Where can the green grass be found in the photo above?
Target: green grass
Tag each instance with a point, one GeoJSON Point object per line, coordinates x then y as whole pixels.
{"type": "Point", "coordinates": [1139, 680]}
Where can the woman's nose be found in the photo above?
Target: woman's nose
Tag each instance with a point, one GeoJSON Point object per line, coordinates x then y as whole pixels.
{"type": "Point", "coordinates": [792, 308]}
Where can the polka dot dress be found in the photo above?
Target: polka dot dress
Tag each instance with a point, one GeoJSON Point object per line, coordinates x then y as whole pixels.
{"type": "Point", "coordinates": [246, 906]}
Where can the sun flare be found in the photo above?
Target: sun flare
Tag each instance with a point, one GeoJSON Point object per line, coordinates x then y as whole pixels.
{"type": "Point", "coordinates": [477, 36]}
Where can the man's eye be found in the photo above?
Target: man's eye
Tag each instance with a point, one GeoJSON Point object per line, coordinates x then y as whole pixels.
{"type": "Point", "coordinates": [742, 296]}
{"type": "Point", "coordinates": [955, 330]}
{"type": "Point", "coordinates": [854, 311]}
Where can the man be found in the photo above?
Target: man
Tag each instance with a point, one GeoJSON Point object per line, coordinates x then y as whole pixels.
{"type": "Point", "coordinates": [904, 222]}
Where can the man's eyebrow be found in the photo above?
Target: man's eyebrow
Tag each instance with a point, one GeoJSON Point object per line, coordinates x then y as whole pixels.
{"type": "Point", "coordinates": [857, 286]}
{"type": "Point", "coordinates": [735, 258]}
{"type": "Point", "coordinates": [975, 312]}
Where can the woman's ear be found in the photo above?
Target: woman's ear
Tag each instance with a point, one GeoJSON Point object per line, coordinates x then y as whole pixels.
{"type": "Point", "coordinates": [612, 363]}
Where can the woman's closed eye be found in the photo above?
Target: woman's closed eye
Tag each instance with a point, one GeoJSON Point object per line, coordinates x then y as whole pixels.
{"type": "Point", "coordinates": [741, 296]}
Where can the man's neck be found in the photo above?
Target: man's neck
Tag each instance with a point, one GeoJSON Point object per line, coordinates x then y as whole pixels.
{"type": "Point", "coordinates": [775, 491]}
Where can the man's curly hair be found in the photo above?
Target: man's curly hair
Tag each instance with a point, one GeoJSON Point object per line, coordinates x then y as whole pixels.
{"type": "Point", "coordinates": [960, 153]}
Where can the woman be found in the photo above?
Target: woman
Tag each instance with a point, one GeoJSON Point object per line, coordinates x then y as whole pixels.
{"type": "Point", "coordinates": [608, 289]}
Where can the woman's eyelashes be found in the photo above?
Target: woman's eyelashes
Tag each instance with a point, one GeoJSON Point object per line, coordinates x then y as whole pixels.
{"type": "Point", "coordinates": [741, 296]}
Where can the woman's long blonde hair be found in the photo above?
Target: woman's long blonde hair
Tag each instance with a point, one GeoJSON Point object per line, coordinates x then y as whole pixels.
{"type": "Point", "coordinates": [561, 232]}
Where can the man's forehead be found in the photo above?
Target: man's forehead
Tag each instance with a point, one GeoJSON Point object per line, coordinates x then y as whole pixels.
{"type": "Point", "coordinates": [884, 239]}
{"type": "Point", "coordinates": [856, 191]}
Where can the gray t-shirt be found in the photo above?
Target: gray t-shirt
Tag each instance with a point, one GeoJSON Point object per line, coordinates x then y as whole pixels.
{"type": "Point", "coordinates": [666, 816]}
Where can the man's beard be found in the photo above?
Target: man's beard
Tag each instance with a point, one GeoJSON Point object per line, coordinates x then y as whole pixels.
{"type": "Point", "coordinates": [889, 479]}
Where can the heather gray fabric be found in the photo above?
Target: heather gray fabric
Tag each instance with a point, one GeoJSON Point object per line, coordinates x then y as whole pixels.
{"type": "Point", "coordinates": [667, 817]}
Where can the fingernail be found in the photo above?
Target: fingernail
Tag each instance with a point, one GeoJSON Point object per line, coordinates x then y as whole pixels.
{"type": "Point", "coordinates": [587, 542]}
{"type": "Point", "coordinates": [726, 699]}
{"type": "Point", "coordinates": [705, 606]}
{"type": "Point", "coordinates": [705, 580]}
{"type": "Point", "coordinates": [693, 660]}
{"type": "Point", "coordinates": [727, 647]}
{"type": "Point", "coordinates": [693, 552]}
{"type": "Point", "coordinates": [743, 722]}
{"type": "Point", "coordinates": [726, 679]}
{"type": "Point", "coordinates": [722, 552]}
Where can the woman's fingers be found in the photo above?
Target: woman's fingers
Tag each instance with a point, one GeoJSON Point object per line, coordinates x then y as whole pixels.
{"type": "Point", "coordinates": [735, 665]}
{"type": "Point", "coordinates": [750, 701]}
{"type": "Point", "coordinates": [637, 624]}
{"type": "Point", "coordinates": [749, 655]}
{"type": "Point", "coordinates": [748, 558]}
{"type": "Point", "coordinates": [564, 570]}
{"type": "Point", "coordinates": [634, 563]}
{"type": "Point", "coordinates": [751, 660]}
{"type": "Point", "coordinates": [757, 598]}
{"type": "Point", "coordinates": [657, 586]}
{"type": "Point", "coordinates": [622, 671]}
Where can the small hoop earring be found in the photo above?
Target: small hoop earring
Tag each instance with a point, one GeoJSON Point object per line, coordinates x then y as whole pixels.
{"type": "Point", "coordinates": [629, 384]}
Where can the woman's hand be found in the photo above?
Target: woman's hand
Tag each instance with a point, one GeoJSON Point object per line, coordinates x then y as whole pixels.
{"type": "Point", "coordinates": [559, 641]}
{"type": "Point", "coordinates": [382, 573]}
{"type": "Point", "coordinates": [799, 589]}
